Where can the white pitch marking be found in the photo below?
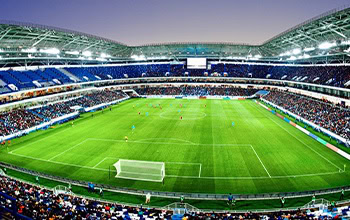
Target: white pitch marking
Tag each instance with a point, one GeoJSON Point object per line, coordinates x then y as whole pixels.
{"type": "Point", "coordinates": [56, 162]}
{"type": "Point", "coordinates": [68, 150]}
{"type": "Point", "coordinates": [175, 139]}
{"type": "Point", "coordinates": [165, 143]}
{"type": "Point", "coordinates": [301, 141]}
{"type": "Point", "coordinates": [260, 161]}
{"type": "Point", "coordinates": [38, 140]}
{"type": "Point", "coordinates": [100, 162]}
{"type": "Point", "coordinates": [186, 177]}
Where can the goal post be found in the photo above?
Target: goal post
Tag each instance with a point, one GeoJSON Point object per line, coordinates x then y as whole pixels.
{"type": "Point", "coordinates": [140, 170]}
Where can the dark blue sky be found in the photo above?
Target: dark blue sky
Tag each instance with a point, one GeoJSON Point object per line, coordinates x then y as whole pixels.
{"type": "Point", "coordinates": [136, 22]}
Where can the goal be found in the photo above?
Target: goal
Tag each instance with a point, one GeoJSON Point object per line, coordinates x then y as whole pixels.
{"type": "Point", "coordinates": [140, 170]}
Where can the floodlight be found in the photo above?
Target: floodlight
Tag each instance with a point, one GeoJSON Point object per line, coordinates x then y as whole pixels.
{"type": "Point", "coordinates": [29, 50]}
{"type": "Point", "coordinates": [342, 43]}
{"type": "Point", "coordinates": [296, 51]}
{"type": "Point", "coordinates": [101, 59]}
{"type": "Point", "coordinates": [86, 53]}
{"type": "Point", "coordinates": [326, 45]}
{"type": "Point", "coordinates": [103, 55]}
{"type": "Point", "coordinates": [136, 57]}
{"type": "Point", "coordinates": [72, 52]}
{"type": "Point", "coordinates": [309, 49]}
{"type": "Point", "coordinates": [50, 51]}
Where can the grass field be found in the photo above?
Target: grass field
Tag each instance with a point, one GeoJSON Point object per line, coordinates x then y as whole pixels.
{"type": "Point", "coordinates": [202, 153]}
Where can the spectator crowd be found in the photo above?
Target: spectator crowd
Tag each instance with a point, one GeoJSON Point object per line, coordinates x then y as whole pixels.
{"type": "Point", "coordinates": [331, 117]}
{"type": "Point", "coordinates": [40, 203]}
{"type": "Point", "coordinates": [188, 90]}
{"type": "Point", "coordinates": [21, 119]}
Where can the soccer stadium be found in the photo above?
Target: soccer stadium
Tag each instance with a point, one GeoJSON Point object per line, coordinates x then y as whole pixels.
{"type": "Point", "coordinates": [93, 128]}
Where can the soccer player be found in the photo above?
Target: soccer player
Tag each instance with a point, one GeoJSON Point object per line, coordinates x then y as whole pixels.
{"type": "Point", "coordinates": [282, 202]}
{"type": "Point", "coordinates": [313, 199]}
{"type": "Point", "coordinates": [8, 142]}
{"type": "Point", "coordinates": [229, 198]}
{"type": "Point", "coordinates": [72, 123]}
{"type": "Point", "coordinates": [139, 113]}
{"type": "Point", "coordinates": [101, 192]}
{"type": "Point", "coordinates": [126, 138]}
{"type": "Point", "coordinates": [342, 194]}
{"type": "Point", "coordinates": [180, 117]}
{"type": "Point", "coordinates": [148, 198]}
{"type": "Point", "coordinates": [182, 198]}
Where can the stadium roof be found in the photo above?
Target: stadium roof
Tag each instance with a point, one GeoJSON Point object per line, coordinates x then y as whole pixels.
{"type": "Point", "coordinates": [323, 39]}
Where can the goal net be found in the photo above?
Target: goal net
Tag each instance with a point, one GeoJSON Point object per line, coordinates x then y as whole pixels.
{"type": "Point", "coordinates": [140, 170]}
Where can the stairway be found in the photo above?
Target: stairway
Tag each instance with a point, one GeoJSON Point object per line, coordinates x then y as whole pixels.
{"type": "Point", "coordinates": [70, 75]}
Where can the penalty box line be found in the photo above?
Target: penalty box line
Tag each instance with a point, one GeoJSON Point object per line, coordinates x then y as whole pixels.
{"type": "Point", "coordinates": [186, 177]}
{"type": "Point", "coordinates": [145, 142]}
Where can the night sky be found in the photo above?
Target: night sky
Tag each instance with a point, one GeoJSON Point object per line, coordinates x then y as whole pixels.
{"type": "Point", "coordinates": [137, 22]}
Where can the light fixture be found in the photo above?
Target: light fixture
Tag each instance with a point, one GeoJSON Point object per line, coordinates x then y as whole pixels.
{"type": "Point", "coordinates": [86, 53]}
{"type": "Point", "coordinates": [103, 55]}
{"type": "Point", "coordinates": [50, 51]}
{"type": "Point", "coordinates": [29, 50]}
{"type": "Point", "coordinates": [292, 58]}
{"type": "Point", "coordinates": [309, 49]}
{"type": "Point", "coordinates": [72, 52]}
{"type": "Point", "coordinates": [326, 45]}
{"type": "Point", "coordinates": [296, 51]}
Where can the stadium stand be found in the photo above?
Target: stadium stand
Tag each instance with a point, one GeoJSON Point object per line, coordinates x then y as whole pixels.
{"type": "Point", "coordinates": [337, 76]}
{"type": "Point", "coordinates": [331, 117]}
{"type": "Point", "coordinates": [22, 119]}
{"type": "Point", "coordinates": [40, 203]}
{"type": "Point", "coordinates": [197, 91]}
{"type": "Point", "coordinates": [17, 120]}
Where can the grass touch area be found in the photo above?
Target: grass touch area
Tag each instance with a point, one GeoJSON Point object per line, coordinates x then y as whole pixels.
{"type": "Point", "coordinates": [203, 152]}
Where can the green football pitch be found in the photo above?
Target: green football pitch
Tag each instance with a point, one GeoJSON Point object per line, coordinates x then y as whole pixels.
{"type": "Point", "coordinates": [203, 152]}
